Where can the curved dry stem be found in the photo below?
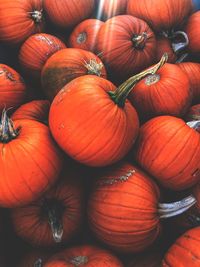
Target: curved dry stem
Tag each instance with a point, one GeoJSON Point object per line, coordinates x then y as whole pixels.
{"type": "Point", "coordinates": [7, 130]}
{"type": "Point", "coordinates": [194, 124]}
{"type": "Point", "coordinates": [182, 58]}
{"type": "Point", "coordinates": [178, 47]}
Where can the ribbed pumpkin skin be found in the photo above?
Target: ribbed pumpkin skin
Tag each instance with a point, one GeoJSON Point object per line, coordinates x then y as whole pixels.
{"type": "Point", "coordinates": [122, 209]}
{"type": "Point", "coordinates": [169, 150]}
{"type": "Point", "coordinates": [164, 46]}
{"type": "Point", "coordinates": [114, 42]}
{"type": "Point", "coordinates": [193, 113]}
{"type": "Point", "coordinates": [88, 256]}
{"type": "Point", "coordinates": [192, 70]}
{"type": "Point", "coordinates": [64, 66]}
{"type": "Point", "coordinates": [36, 50]}
{"type": "Point", "coordinates": [67, 13]}
{"type": "Point", "coordinates": [164, 95]}
{"type": "Point", "coordinates": [85, 34]}
{"type": "Point", "coordinates": [16, 23]}
{"type": "Point", "coordinates": [12, 88]}
{"type": "Point", "coordinates": [185, 251]}
{"type": "Point", "coordinates": [31, 223]}
{"type": "Point", "coordinates": [29, 164]}
{"type": "Point", "coordinates": [104, 131]}
{"type": "Point", "coordinates": [160, 14]}
{"type": "Point", "coordinates": [35, 110]}
{"type": "Point", "coordinates": [193, 32]}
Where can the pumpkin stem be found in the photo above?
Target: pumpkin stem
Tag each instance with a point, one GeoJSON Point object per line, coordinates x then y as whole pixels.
{"type": "Point", "coordinates": [36, 15]}
{"type": "Point", "coordinates": [81, 38]}
{"type": "Point", "coordinates": [38, 263]}
{"type": "Point", "coordinates": [121, 93]}
{"type": "Point", "coordinates": [139, 40]}
{"type": "Point", "coordinates": [7, 130]}
{"type": "Point", "coordinates": [194, 125]}
{"type": "Point", "coordinates": [94, 67]}
{"type": "Point", "coordinates": [177, 47]}
{"type": "Point", "coordinates": [167, 210]}
{"type": "Point", "coordinates": [182, 58]}
{"type": "Point", "coordinates": [79, 260]}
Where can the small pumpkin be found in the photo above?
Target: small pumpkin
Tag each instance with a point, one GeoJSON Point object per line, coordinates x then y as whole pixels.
{"type": "Point", "coordinates": [84, 34]}
{"type": "Point", "coordinates": [85, 255]}
{"type": "Point", "coordinates": [36, 50]}
{"type": "Point", "coordinates": [193, 32]}
{"type": "Point", "coordinates": [127, 45]}
{"type": "Point", "coordinates": [66, 65]}
{"type": "Point", "coordinates": [12, 88]}
{"type": "Point", "coordinates": [35, 110]}
{"type": "Point", "coordinates": [20, 19]}
{"type": "Point", "coordinates": [65, 13]}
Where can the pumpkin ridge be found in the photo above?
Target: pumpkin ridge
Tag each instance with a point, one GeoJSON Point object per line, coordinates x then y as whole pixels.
{"type": "Point", "coordinates": [188, 251]}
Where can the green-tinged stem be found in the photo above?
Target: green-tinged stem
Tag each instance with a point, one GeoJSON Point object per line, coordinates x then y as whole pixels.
{"type": "Point", "coordinates": [120, 95]}
{"type": "Point", "coordinates": [7, 130]}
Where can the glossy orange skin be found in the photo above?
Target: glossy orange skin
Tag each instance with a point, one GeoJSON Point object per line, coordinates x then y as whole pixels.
{"type": "Point", "coordinates": [185, 251]}
{"type": "Point", "coordinates": [173, 12]}
{"type": "Point", "coordinates": [89, 126]}
{"type": "Point", "coordinates": [31, 223]}
{"type": "Point", "coordinates": [12, 88]}
{"type": "Point", "coordinates": [169, 150]}
{"type": "Point", "coordinates": [118, 52]}
{"type": "Point", "coordinates": [193, 113]}
{"type": "Point", "coordinates": [67, 13]}
{"type": "Point", "coordinates": [168, 95]}
{"type": "Point", "coordinates": [94, 257]}
{"type": "Point", "coordinates": [36, 50]}
{"type": "Point", "coordinates": [164, 46]}
{"type": "Point", "coordinates": [193, 32]}
{"type": "Point", "coordinates": [64, 66]}
{"type": "Point", "coordinates": [192, 70]}
{"type": "Point", "coordinates": [35, 110]}
{"type": "Point", "coordinates": [29, 164]}
{"type": "Point", "coordinates": [84, 34]}
{"type": "Point", "coordinates": [16, 23]}
{"type": "Point", "coordinates": [123, 213]}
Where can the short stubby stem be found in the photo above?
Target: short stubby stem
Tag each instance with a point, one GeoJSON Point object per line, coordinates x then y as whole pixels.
{"type": "Point", "coordinates": [37, 16]}
{"type": "Point", "coordinates": [93, 67]}
{"type": "Point", "coordinates": [168, 210]}
{"type": "Point", "coordinates": [139, 40]}
{"type": "Point", "coordinates": [79, 260]}
{"type": "Point", "coordinates": [38, 263]}
{"type": "Point", "coordinates": [7, 130]}
{"type": "Point", "coordinates": [194, 125]}
{"type": "Point", "coordinates": [81, 38]}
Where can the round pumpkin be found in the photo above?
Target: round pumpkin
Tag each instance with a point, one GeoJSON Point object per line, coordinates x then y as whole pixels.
{"type": "Point", "coordinates": [29, 163]}
{"type": "Point", "coordinates": [85, 255]}
{"type": "Point", "coordinates": [36, 50]}
{"type": "Point", "coordinates": [193, 32]}
{"type": "Point", "coordinates": [20, 19]}
{"type": "Point", "coordinates": [169, 150]}
{"type": "Point", "coordinates": [127, 45]}
{"type": "Point", "coordinates": [12, 88]}
{"type": "Point", "coordinates": [67, 13]}
{"type": "Point", "coordinates": [84, 34]}
{"type": "Point", "coordinates": [161, 15]}
{"type": "Point", "coordinates": [66, 65]}
{"type": "Point", "coordinates": [55, 217]}
{"type": "Point", "coordinates": [35, 110]}
{"type": "Point", "coordinates": [184, 252]}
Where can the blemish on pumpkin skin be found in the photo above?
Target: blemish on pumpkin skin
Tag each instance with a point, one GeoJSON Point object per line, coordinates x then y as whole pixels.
{"type": "Point", "coordinates": [121, 179]}
{"type": "Point", "coordinates": [8, 75]}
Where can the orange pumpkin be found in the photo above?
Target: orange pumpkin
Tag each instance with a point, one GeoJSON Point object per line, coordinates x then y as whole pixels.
{"type": "Point", "coordinates": [193, 32]}
{"type": "Point", "coordinates": [66, 65]}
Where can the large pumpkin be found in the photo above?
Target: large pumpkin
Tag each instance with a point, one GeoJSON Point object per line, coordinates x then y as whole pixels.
{"type": "Point", "coordinates": [193, 32]}
{"type": "Point", "coordinates": [55, 217]}
{"type": "Point", "coordinates": [169, 150]}
{"type": "Point", "coordinates": [20, 19]}
{"type": "Point", "coordinates": [29, 163]}
{"type": "Point", "coordinates": [161, 14]}
{"type": "Point", "coordinates": [86, 255]}
{"type": "Point", "coordinates": [36, 50]}
{"type": "Point", "coordinates": [12, 88]}
{"type": "Point", "coordinates": [66, 65]}
{"type": "Point", "coordinates": [67, 13]}
{"type": "Point", "coordinates": [127, 45]}
{"type": "Point", "coordinates": [185, 251]}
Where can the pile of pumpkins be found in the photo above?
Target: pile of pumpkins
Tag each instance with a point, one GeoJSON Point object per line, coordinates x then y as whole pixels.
{"type": "Point", "coordinates": [100, 133]}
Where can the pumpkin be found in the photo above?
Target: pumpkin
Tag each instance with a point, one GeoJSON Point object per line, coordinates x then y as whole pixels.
{"type": "Point", "coordinates": [161, 15]}
{"type": "Point", "coordinates": [124, 210]}
{"type": "Point", "coordinates": [20, 19]}
{"type": "Point", "coordinates": [29, 163]}
{"type": "Point", "coordinates": [169, 150]}
{"type": "Point", "coordinates": [55, 217]}
{"type": "Point", "coordinates": [84, 34]}
{"type": "Point", "coordinates": [66, 65]}
{"type": "Point", "coordinates": [193, 32]}
{"type": "Point", "coordinates": [85, 255]}
{"type": "Point", "coordinates": [192, 70]}
{"type": "Point", "coordinates": [33, 259]}
{"type": "Point", "coordinates": [67, 13]}
{"type": "Point", "coordinates": [36, 50]}
{"type": "Point", "coordinates": [184, 252]}
{"type": "Point", "coordinates": [107, 9]}
{"type": "Point", "coordinates": [162, 93]}
{"type": "Point", "coordinates": [12, 88]}
{"type": "Point", "coordinates": [193, 113]}
{"type": "Point", "coordinates": [35, 110]}
{"type": "Point", "coordinates": [164, 45]}
{"type": "Point", "coordinates": [127, 45]}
